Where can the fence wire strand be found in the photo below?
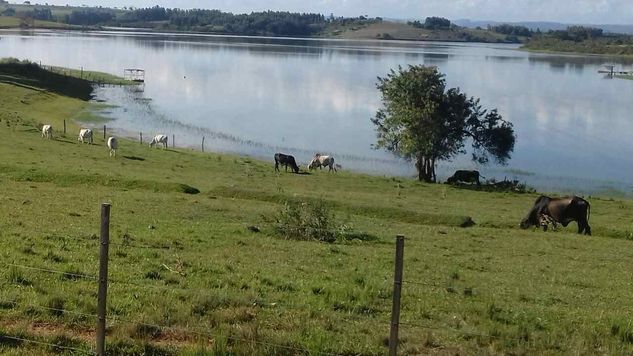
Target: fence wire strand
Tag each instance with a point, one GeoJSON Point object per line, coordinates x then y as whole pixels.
{"type": "Point", "coordinates": [52, 271]}
{"type": "Point", "coordinates": [56, 346]}
{"type": "Point", "coordinates": [15, 304]}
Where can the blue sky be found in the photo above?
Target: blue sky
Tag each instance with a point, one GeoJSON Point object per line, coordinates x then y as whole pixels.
{"type": "Point", "coordinates": [568, 11]}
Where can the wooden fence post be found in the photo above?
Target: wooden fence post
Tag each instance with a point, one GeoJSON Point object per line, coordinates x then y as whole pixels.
{"type": "Point", "coordinates": [140, 135]}
{"type": "Point", "coordinates": [173, 141]}
{"type": "Point", "coordinates": [64, 126]}
{"type": "Point", "coordinates": [202, 143]}
{"type": "Point", "coordinates": [104, 132]}
{"type": "Point", "coordinates": [397, 288]}
{"type": "Point", "coordinates": [103, 278]}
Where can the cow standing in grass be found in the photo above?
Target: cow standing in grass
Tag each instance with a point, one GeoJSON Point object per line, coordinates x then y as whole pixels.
{"type": "Point", "coordinates": [85, 135]}
{"type": "Point", "coordinates": [285, 160]}
{"type": "Point", "coordinates": [113, 144]}
{"type": "Point", "coordinates": [47, 131]}
{"type": "Point", "coordinates": [321, 161]}
{"type": "Point", "coordinates": [560, 210]}
{"type": "Point", "coordinates": [159, 139]}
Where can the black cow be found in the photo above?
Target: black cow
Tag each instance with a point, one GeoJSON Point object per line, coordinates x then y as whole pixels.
{"type": "Point", "coordinates": [464, 176]}
{"type": "Point", "coordinates": [286, 160]}
{"type": "Point", "coordinates": [561, 210]}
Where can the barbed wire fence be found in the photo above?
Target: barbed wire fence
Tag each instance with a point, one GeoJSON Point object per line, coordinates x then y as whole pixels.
{"type": "Point", "coordinates": [101, 315]}
{"type": "Point", "coordinates": [399, 284]}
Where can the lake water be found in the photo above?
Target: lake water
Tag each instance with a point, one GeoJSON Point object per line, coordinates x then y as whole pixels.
{"type": "Point", "coordinates": [257, 96]}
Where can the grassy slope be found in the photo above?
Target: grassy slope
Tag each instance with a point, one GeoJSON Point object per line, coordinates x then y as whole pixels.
{"type": "Point", "coordinates": [534, 292]}
{"type": "Point", "coordinates": [93, 76]}
{"type": "Point", "coordinates": [13, 22]}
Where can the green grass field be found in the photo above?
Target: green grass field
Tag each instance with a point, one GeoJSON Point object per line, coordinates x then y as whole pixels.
{"type": "Point", "coordinates": [189, 277]}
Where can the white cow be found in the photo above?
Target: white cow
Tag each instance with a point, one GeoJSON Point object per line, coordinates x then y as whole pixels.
{"type": "Point", "coordinates": [113, 144]}
{"type": "Point", "coordinates": [47, 131]}
{"type": "Point", "coordinates": [321, 161]}
{"type": "Point", "coordinates": [85, 135]}
{"type": "Point", "coordinates": [159, 139]}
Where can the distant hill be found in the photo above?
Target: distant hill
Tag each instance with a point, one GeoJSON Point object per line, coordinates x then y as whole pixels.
{"type": "Point", "coordinates": [545, 26]}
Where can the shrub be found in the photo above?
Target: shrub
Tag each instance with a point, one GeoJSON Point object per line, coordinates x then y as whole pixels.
{"type": "Point", "coordinates": [313, 220]}
{"type": "Point", "coordinates": [306, 221]}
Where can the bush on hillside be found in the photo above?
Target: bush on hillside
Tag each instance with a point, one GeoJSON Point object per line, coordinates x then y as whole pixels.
{"type": "Point", "coordinates": [313, 220]}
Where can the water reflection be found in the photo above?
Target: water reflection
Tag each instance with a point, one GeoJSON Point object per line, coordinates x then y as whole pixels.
{"type": "Point", "coordinates": [260, 95]}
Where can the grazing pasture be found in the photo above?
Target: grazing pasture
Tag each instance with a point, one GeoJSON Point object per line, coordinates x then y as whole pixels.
{"type": "Point", "coordinates": [189, 275]}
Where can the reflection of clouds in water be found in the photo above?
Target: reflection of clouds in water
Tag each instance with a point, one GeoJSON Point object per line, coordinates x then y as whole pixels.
{"type": "Point", "coordinates": [134, 114]}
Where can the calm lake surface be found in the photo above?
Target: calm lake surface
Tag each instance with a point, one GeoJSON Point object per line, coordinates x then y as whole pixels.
{"type": "Point", "coordinates": [257, 96]}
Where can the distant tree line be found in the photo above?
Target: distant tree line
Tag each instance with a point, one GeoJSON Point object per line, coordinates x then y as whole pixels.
{"type": "Point", "coordinates": [275, 23]}
{"type": "Point", "coordinates": [43, 14]}
{"type": "Point", "coordinates": [511, 30]}
{"type": "Point", "coordinates": [89, 17]}
{"type": "Point", "coordinates": [577, 33]}
{"type": "Point", "coordinates": [433, 23]}
{"type": "Point", "coordinates": [582, 39]}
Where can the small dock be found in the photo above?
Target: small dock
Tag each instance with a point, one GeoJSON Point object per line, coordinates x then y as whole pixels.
{"type": "Point", "coordinates": [610, 70]}
{"type": "Point", "coordinates": [134, 74]}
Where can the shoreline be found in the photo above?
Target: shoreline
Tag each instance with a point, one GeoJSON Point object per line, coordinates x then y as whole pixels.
{"type": "Point", "coordinates": [602, 188]}
{"type": "Point", "coordinates": [219, 34]}
{"type": "Point", "coordinates": [570, 53]}
{"type": "Point", "coordinates": [520, 45]}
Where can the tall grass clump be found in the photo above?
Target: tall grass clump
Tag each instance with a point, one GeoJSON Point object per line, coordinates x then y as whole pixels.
{"type": "Point", "coordinates": [306, 221]}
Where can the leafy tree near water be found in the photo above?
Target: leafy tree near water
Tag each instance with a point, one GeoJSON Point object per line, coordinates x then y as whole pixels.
{"type": "Point", "coordinates": [423, 121]}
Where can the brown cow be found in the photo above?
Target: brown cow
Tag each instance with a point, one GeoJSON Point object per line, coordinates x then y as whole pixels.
{"type": "Point", "coordinates": [561, 210]}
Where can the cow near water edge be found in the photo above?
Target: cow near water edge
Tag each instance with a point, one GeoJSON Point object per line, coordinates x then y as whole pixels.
{"type": "Point", "coordinates": [285, 160]}
{"type": "Point", "coordinates": [464, 176]}
{"type": "Point", "coordinates": [560, 210]}
{"type": "Point", "coordinates": [321, 161]}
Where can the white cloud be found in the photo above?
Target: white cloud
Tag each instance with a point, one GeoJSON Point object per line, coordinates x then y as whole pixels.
{"type": "Point", "coordinates": [568, 11]}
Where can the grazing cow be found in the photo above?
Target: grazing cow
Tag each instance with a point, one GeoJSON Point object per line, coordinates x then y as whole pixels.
{"type": "Point", "coordinates": [159, 139]}
{"type": "Point", "coordinates": [85, 135]}
{"type": "Point", "coordinates": [113, 144]}
{"type": "Point", "coordinates": [561, 210]}
{"type": "Point", "coordinates": [464, 176]}
{"type": "Point", "coordinates": [321, 161]}
{"type": "Point", "coordinates": [285, 160]}
{"type": "Point", "coordinates": [47, 131]}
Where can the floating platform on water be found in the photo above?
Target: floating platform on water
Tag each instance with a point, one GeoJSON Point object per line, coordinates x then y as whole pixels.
{"type": "Point", "coordinates": [616, 72]}
{"type": "Point", "coordinates": [134, 74]}
{"type": "Point", "coordinates": [610, 70]}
